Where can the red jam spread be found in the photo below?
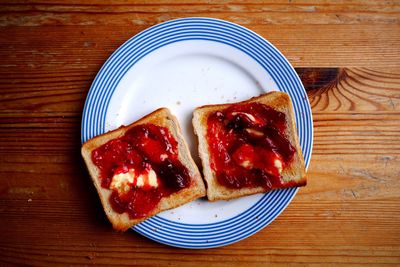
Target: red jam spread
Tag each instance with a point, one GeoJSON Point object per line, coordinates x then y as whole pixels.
{"type": "Point", "coordinates": [147, 158]}
{"type": "Point", "coordinates": [248, 146]}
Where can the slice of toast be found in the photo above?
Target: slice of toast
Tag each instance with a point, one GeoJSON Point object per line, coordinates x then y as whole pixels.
{"type": "Point", "coordinates": [293, 174]}
{"type": "Point", "coordinates": [163, 118]}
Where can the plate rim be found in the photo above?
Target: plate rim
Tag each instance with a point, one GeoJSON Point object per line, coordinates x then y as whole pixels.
{"type": "Point", "coordinates": [282, 57]}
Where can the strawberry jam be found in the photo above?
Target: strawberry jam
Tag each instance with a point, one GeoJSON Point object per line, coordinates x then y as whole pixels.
{"type": "Point", "coordinates": [140, 168]}
{"type": "Point", "coordinates": [248, 146]}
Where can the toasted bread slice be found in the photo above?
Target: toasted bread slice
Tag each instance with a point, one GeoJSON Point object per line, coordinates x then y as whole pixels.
{"type": "Point", "coordinates": [161, 117]}
{"type": "Point", "coordinates": [292, 175]}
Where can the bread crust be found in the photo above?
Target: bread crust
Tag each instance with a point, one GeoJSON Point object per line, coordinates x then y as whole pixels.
{"type": "Point", "coordinates": [161, 117]}
{"type": "Point", "coordinates": [295, 172]}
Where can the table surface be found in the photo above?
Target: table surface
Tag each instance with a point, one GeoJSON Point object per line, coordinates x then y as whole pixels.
{"type": "Point", "coordinates": [348, 56]}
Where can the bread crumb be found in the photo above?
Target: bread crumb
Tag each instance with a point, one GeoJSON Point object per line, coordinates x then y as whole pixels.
{"type": "Point", "coordinates": [30, 200]}
{"type": "Point", "coordinates": [178, 102]}
{"type": "Point", "coordinates": [215, 215]}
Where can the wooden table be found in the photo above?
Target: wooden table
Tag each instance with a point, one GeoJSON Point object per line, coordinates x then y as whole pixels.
{"type": "Point", "coordinates": [348, 56]}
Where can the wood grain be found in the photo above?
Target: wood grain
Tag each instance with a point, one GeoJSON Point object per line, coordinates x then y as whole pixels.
{"type": "Point", "coordinates": [347, 54]}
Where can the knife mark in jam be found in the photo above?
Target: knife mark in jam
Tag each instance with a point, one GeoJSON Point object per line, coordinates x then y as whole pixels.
{"type": "Point", "coordinates": [140, 168]}
{"type": "Point", "coordinates": [248, 146]}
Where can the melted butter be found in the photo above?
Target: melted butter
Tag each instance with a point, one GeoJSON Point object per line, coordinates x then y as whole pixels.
{"type": "Point", "coordinates": [123, 182]}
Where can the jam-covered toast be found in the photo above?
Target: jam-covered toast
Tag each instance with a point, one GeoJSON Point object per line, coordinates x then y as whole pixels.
{"type": "Point", "coordinates": [249, 147]}
{"type": "Point", "coordinates": [142, 169]}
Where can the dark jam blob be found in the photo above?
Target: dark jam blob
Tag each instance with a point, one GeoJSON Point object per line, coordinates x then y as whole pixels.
{"type": "Point", "coordinates": [245, 142]}
{"type": "Point", "coordinates": [175, 176]}
{"type": "Point", "coordinates": [278, 143]}
{"type": "Point", "coordinates": [239, 122]}
{"type": "Point", "coordinates": [232, 179]}
{"type": "Point", "coordinates": [239, 179]}
{"type": "Point", "coordinates": [265, 179]}
{"type": "Point", "coordinates": [142, 148]}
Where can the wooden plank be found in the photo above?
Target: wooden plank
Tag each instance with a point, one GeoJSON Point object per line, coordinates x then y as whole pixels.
{"type": "Point", "coordinates": [37, 13]}
{"type": "Point", "coordinates": [353, 232]}
{"type": "Point", "coordinates": [297, 236]}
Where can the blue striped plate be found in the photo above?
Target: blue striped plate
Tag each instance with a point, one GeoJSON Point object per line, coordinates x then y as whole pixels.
{"type": "Point", "coordinates": [182, 64]}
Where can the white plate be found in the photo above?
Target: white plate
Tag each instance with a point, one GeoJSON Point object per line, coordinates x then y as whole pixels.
{"type": "Point", "coordinates": [182, 64]}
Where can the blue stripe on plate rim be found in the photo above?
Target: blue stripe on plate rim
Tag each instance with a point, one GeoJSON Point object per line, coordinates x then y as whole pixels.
{"type": "Point", "coordinates": [264, 53]}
